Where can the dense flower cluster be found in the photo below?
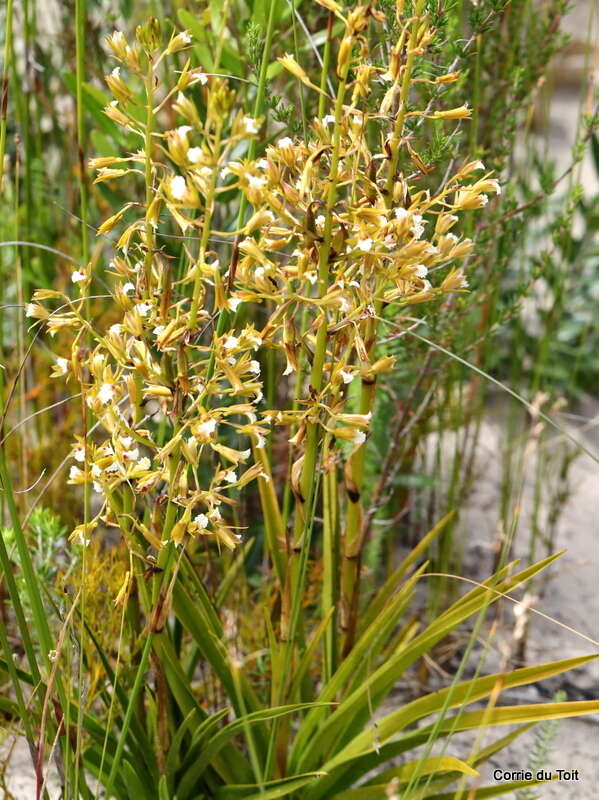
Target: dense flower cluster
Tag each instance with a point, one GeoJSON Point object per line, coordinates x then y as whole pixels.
{"type": "Point", "coordinates": [330, 241]}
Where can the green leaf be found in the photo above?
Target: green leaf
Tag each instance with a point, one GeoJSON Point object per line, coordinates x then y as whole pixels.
{"type": "Point", "coordinates": [509, 715]}
{"type": "Point", "coordinates": [262, 7]}
{"type": "Point", "coordinates": [270, 790]}
{"type": "Point", "coordinates": [403, 773]}
{"type": "Point", "coordinates": [94, 102]}
{"type": "Point", "coordinates": [163, 793]}
{"type": "Point", "coordinates": [220, 739]}
{"type": "Point", "coordinates": [368, 645]}
{"type": "Point", "coordinates": [491, 791]}
{"type": "Point", "coordinates": [173, 758]}
{"type": "Point", "coordinates": [138, 786]}
{"type": "Point", "coordinates": [381, 681]}
{"type": "Point", "coordinates": [467, 692]}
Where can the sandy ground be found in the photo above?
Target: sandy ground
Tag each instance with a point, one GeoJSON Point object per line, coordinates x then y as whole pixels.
{"type": "Point", "coordinates": [569, 595]}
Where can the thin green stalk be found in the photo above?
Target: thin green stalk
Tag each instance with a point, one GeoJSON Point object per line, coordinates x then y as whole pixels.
{"type": "Point", "coordinates": [148, 176]}
{"type": "Point", "coordinates": [330, 549]}
{"type": "Point", "coordinates": [27, 142]}
{"type": "Point", "coordinates": [301, 87]}
{"type": "Point", "coordinates": [8, 49]}
{"type": "Point", "coordinates": [353, 539]}
{"type": "Point", "coordinates": [326, 60]}
{"type": "Point", "coordinates": [80, 20]}
{"type": "Point", "coordinates": [223, 317]}
{"type": "Point", "coordinates": [308, 474]}
{"type": "Point", "coordinates": [139, 678]}
{"type": "Point", "coordinates": [19, 335]}
{"type": "Point", "coordinates": [299, 383]}
{"type": "Point", "coordinates": [210, 203]}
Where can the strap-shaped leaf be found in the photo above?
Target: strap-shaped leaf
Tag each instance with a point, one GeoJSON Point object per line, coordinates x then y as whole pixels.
{"type": "Point", "coordinates": [383, 679]}
{"type": "Point", "coordinates": [478, 758]}
{"type": "Point", "coordinates": [270, 790]}
{"type": "Point", "coordinates": [220, 739]}
{"type": "Point", "coordinates": [365, 647]}
{"type": "Point", "coordinates": [491, 791]}
{"type": "Point", "coordinates": [209, 638]}
{"type": "Point", "coordinates": [467, 692]}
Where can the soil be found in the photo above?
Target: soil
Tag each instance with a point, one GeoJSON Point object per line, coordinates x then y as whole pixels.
{"type": "Point", "coordinates": [569, 594]}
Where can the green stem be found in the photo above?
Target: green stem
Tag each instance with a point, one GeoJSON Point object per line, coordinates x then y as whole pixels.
{"type": "Point", "coordinates": [317, 371]}
{"type": "Point", "coordinates": [308, 478]}
{"type": "Point", "coordinates": [223, 318]}
{"type": "Point", "coordinates": [139, 677]}
{"type": "Point", "coordinates": [330, 562]}
{"type": "Point", "coordinates": [210, 202]}
{"type": "Point", "coordinates": [4, 87]}
{"type": "Point", "coordinates": [403, 102]}
{"type": "Point", "coordinates": [80, 18]}
{"type": "Point", "coordinates": [353, 538]}
{"type": "Point", "coordinates": [149, 228]}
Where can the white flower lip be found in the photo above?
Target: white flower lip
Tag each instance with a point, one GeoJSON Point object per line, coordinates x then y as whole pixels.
{"type": "Point", "coordinates": [143, 309]}
{"type": "Point", "coordinates": [202, 521]}
{"type": "Point", "coordinates": [256, 182]}
{"type": "Point", "coordinates": [106, 393]}
{"type": "Point", "coordinates": [250, 125]}
{"type": "Point", "coordinates": [207, 428]}
{"type": "Point", "coordinates": [178, 187]}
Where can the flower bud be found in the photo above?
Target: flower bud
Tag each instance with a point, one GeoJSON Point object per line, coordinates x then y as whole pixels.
{"type": "Point", "coordinates": [179, 42]}
{"type": "Point", "coordinates": [149, 36]}
{"type": "Point", "coordinates": [118, 86]}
